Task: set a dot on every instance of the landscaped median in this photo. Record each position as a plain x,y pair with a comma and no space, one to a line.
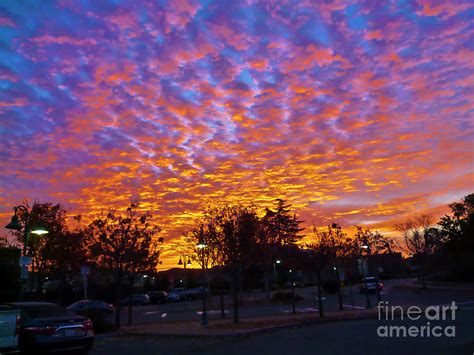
247,326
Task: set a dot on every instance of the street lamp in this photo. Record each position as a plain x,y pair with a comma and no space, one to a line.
27,229
365,246
201,246
275,272
185,260
292,291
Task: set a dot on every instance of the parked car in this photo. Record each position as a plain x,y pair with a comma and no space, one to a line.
9,327
370,284
46,327
138,299
196,293
85,307
176,294
158,297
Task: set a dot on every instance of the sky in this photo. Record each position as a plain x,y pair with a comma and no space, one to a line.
355,112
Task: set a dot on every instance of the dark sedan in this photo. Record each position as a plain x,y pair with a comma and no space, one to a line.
370,284
86,307
138,299
158,297
47,327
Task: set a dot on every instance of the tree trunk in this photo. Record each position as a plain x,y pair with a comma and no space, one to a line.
235,295
422,271
222,301
208,283
239,278
118,289
423,281
266,278
339,296
320,299
130,301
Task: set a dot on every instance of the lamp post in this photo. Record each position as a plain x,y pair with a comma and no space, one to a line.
185,260
275,272
27,229
201,247
292,292
365,246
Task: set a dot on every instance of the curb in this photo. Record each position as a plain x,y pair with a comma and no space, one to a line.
252,331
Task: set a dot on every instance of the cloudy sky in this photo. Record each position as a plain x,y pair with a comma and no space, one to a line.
355,112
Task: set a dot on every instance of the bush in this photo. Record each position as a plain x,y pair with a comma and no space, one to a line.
285,297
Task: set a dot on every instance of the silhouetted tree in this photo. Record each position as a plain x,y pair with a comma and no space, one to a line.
376,243
420,241
197,244
51,216
457,233
58,254
125,245
232,237
321,252
341,249
278,228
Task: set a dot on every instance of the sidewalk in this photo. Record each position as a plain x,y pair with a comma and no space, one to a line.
416,285
247,326
462,286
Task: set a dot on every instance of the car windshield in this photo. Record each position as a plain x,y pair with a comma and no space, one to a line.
45,310
370,279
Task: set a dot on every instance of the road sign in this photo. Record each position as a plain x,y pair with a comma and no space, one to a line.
363,267
24,272
25,261
85,270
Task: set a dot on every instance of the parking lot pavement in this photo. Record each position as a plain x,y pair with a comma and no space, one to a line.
352,336
253,305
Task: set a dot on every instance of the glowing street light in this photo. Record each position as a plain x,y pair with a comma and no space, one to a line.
201,245
27,229
185,260
275,272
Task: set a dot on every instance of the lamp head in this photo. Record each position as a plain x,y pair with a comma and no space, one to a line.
180,262
14,223
201,244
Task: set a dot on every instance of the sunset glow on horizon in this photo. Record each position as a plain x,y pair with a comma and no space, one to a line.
359,113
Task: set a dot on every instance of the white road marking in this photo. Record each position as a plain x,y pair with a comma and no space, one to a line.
151,312
350,306
212,312
300,310
163,315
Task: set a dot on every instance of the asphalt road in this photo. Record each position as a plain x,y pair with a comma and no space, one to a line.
353,337
254,305
344,337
